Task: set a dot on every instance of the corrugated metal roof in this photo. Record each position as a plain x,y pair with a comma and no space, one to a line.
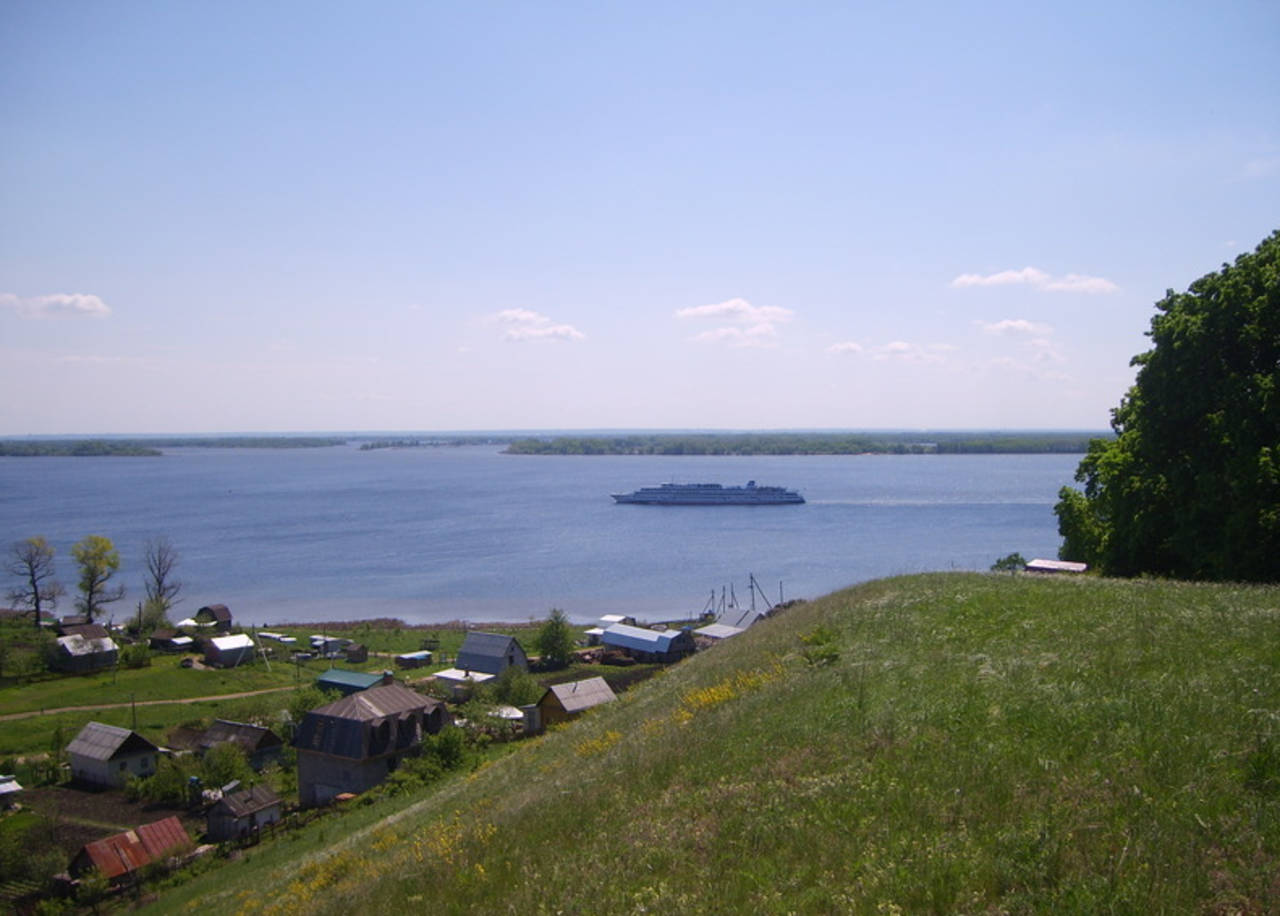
486,652
250,737
235,641
639,638
101,742
1040,565
579,695
341,728
128,851
165,837
718,631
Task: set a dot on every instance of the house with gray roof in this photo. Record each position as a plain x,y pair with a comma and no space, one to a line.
490,653
107,755
80,654
353,744
650,645
241,814
260,744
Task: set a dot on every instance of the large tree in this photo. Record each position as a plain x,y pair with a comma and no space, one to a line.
99,561
31,562
554,640
162,586
1190,486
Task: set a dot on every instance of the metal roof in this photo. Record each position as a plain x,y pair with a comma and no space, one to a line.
486,652
1039,565
579,695
628,637
103,742
249,801
341,728
218,612
235,641
125,852
341,677
248,736
718,631
78,645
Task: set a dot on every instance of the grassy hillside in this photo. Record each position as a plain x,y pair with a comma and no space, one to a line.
950,743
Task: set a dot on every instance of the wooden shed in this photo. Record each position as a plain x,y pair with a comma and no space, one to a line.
563,702
241,814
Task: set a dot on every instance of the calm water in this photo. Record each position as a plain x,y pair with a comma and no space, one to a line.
438,534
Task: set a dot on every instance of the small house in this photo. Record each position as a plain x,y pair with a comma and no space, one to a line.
353,744
490,653
594,633
121,854
107,755
170,641
650,645
329,646
241,814
563,702
349,682
414,659
717,631
261,745
228,651
77,654
66,625
357,653
217,616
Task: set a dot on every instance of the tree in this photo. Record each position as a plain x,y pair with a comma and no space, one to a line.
98,560
31,561
161,587
1190,486
1014,562
555,641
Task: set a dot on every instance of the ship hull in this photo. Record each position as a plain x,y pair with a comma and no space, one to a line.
672,494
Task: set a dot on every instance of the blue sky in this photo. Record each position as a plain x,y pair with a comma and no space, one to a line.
322,216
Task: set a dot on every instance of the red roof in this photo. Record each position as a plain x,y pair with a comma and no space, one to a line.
125,852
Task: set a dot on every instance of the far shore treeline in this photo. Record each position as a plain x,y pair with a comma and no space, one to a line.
773,443
914,443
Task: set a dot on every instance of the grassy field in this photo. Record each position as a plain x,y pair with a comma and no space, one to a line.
939,743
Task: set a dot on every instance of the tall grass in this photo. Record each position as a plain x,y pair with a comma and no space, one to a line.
964,743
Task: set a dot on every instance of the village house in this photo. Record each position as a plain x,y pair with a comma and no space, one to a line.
563,702
594,633
414,659
217,616
121,854
241,814
80,654
261,745
348,682
650,645
170,641
107,755
351,745
228,651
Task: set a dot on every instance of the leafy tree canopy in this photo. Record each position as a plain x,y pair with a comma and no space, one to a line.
555,640
1190,486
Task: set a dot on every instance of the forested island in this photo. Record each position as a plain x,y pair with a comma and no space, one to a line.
150,447
907,443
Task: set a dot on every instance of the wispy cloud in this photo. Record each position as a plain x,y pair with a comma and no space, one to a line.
56,305
1015,326
845,346
748,325
525,325
1038,279
902,351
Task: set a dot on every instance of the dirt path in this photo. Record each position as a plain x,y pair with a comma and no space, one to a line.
221,696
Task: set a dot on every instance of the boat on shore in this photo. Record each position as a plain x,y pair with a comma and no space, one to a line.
710,494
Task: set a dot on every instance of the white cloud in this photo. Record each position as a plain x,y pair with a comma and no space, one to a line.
750,325
1015,326
845,346
56,305
525,324
902,351
1034,277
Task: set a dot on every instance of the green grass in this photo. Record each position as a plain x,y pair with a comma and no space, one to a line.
972,744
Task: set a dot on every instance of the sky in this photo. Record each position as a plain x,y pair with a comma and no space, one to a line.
314,216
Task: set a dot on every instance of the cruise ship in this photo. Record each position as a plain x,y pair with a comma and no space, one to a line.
710,494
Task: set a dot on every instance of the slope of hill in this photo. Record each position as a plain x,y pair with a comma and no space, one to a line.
944,743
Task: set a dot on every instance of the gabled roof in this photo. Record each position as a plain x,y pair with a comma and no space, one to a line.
125,852
78,645
341,728
579,695
104,742
248,801
486,652
248,736
353,680
377,703
639,638
230,643
87,630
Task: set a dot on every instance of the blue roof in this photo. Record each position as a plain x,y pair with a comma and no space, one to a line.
639,638
346,680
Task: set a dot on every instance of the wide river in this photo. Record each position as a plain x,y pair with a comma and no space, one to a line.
438,534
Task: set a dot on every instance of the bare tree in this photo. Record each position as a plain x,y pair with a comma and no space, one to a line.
162,588
31,561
